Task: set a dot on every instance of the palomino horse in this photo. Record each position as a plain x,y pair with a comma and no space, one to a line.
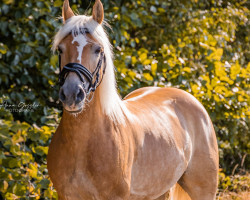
105,148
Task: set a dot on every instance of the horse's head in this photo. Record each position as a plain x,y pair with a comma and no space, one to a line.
82,58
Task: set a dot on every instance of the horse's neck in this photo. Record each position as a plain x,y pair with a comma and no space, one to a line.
90,121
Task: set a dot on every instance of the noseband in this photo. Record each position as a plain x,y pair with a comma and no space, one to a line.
80,70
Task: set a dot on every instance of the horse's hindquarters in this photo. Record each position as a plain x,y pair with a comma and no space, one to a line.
180,139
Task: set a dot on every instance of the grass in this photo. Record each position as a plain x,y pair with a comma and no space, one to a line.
235,187
234,196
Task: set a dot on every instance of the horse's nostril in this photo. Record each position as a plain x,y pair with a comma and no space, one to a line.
62,96
80,95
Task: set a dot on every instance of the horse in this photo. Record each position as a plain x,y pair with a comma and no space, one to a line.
153,141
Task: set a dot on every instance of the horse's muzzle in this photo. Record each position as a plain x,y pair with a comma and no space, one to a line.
72,98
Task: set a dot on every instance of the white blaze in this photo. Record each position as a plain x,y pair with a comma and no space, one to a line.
82,42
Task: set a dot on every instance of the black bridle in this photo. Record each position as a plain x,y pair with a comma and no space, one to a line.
80,70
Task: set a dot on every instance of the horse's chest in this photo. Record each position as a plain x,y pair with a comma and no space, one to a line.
86,171
67,171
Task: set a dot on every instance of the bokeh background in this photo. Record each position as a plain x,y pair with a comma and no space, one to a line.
201,46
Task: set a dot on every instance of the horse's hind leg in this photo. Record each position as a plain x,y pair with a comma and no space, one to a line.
201,179
177,193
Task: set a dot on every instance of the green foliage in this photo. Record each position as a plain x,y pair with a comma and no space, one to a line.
23,169
26,70
234,183
201,46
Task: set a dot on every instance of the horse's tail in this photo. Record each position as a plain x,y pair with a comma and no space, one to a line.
177,193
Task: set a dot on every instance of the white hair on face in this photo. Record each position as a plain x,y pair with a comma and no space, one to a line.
82,42
111,103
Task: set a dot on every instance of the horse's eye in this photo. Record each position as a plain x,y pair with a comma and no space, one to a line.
59,50
98,50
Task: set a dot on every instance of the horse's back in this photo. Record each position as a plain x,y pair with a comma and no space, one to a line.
178,103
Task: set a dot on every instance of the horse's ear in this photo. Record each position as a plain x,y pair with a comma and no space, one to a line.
98,13
66,11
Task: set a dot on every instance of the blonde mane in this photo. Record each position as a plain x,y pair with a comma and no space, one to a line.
111,103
